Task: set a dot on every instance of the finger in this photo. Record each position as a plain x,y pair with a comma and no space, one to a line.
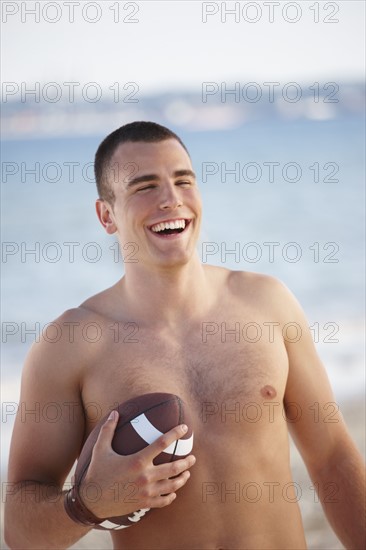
163,442
161,501
172,469
168,486
107,431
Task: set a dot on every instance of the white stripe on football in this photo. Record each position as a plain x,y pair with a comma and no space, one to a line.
149,433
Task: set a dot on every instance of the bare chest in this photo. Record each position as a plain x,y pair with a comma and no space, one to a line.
207,375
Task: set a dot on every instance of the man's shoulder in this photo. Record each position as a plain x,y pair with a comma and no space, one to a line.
254,279
73,317
265,291
66,336
92,309
250,281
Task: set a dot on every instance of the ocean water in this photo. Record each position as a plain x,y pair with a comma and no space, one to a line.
280,197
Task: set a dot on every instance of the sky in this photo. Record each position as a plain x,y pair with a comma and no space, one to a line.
175,46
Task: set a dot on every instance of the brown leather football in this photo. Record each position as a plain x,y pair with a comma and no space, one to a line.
141,421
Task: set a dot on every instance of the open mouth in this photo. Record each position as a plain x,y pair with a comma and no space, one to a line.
172,227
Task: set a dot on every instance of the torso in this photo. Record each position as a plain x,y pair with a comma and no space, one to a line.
240,494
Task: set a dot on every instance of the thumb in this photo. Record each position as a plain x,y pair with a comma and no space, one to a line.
107,430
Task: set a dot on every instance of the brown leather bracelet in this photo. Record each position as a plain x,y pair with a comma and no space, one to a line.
77,510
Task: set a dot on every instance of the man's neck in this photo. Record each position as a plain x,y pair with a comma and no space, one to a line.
166,296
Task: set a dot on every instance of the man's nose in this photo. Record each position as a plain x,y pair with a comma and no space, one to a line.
170,197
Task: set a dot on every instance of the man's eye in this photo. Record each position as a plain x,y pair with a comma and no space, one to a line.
146,187
183,182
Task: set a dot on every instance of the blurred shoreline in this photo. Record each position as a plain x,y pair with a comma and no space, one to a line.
214,108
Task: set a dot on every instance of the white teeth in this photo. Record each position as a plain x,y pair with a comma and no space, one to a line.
176,224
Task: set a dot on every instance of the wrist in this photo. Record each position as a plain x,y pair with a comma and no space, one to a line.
77,511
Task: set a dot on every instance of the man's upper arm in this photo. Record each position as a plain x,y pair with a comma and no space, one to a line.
49,425
313,417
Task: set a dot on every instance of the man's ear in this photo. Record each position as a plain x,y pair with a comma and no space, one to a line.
105,216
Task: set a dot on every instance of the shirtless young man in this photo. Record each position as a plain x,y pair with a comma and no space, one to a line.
238,494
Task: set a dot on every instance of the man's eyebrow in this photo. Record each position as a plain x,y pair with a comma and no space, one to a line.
154,177
140,179
180,173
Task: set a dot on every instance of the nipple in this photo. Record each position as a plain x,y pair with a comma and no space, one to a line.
268,392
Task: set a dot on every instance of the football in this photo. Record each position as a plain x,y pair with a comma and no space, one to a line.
141,421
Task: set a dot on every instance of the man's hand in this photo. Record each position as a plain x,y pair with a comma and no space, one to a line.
128,483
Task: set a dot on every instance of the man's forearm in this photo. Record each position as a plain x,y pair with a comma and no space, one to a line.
35,517
341,487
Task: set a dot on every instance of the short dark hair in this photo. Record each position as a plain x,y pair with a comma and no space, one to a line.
148,132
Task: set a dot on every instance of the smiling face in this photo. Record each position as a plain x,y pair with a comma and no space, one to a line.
157,203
